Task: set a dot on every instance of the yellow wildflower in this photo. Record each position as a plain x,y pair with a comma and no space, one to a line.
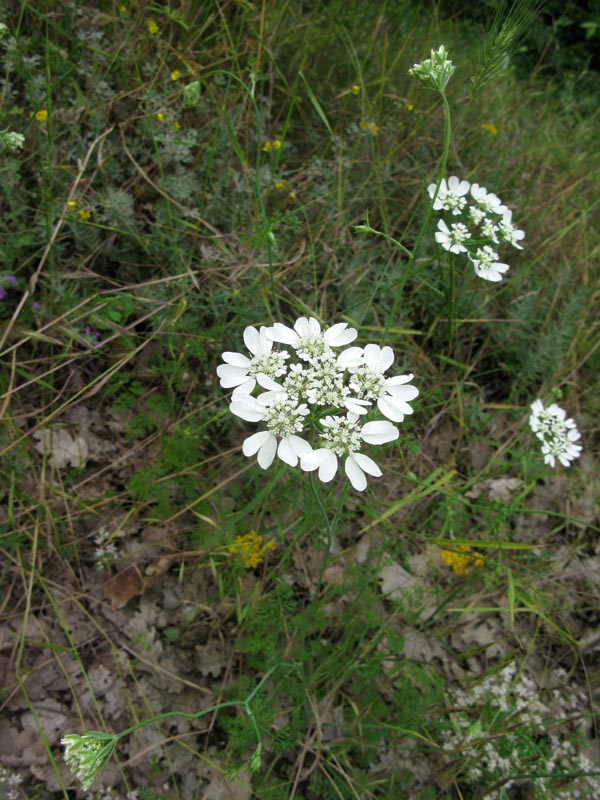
409,106
279,184
84,214
355,88
175,75
460,559
251,549
271,145
490,128
152,27
122,8
41,115
292,196
369,127
160,117
72,205
176,125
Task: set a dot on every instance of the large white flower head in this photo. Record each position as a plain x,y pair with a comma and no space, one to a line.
241,372
309,341
368,382
343,438
557,433
321,388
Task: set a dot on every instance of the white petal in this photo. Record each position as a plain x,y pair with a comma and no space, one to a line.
268,383
355,474
236,359
367,464
231,376
379,432
286,452
253,443
252,340
400,392
350,357
324,460
299,445
393,409
266,454
281,333
356,406
338,336
243,389
247,408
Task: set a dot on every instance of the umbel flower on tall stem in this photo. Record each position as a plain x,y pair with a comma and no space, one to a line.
315,397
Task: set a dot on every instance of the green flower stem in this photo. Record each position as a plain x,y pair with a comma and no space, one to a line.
244,704
330,525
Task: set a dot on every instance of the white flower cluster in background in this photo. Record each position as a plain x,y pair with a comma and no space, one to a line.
106,551
557,433
522,730
9,784
477,223
313,395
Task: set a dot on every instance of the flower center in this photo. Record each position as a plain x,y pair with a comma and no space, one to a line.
367,383
342,435
271,364
284,416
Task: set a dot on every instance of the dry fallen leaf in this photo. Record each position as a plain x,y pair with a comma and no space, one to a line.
123,587
63,448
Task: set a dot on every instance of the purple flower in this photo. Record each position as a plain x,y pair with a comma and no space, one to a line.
36,306
10,279
2,293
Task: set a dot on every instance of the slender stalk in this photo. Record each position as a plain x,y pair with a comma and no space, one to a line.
330,525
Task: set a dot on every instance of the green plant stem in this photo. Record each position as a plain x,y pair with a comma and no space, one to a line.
330,525
245,704
451,303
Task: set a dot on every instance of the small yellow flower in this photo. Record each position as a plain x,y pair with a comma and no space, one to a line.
279,185
490,128
72,205
292,196
251,549
152,27
271,145
355,88
175,75
176,125
40,116
461,559
84,214
409,106
160,117
276,144
369,127
122,8
266,147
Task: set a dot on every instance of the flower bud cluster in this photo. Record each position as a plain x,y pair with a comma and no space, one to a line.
86,755
436,71
477,224
557,433
318,389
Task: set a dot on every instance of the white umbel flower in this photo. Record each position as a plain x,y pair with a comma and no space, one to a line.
368,382
344,437
486,265
309,341
452,238
557,433
487,201
508,231
451,195
284,418
240,372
